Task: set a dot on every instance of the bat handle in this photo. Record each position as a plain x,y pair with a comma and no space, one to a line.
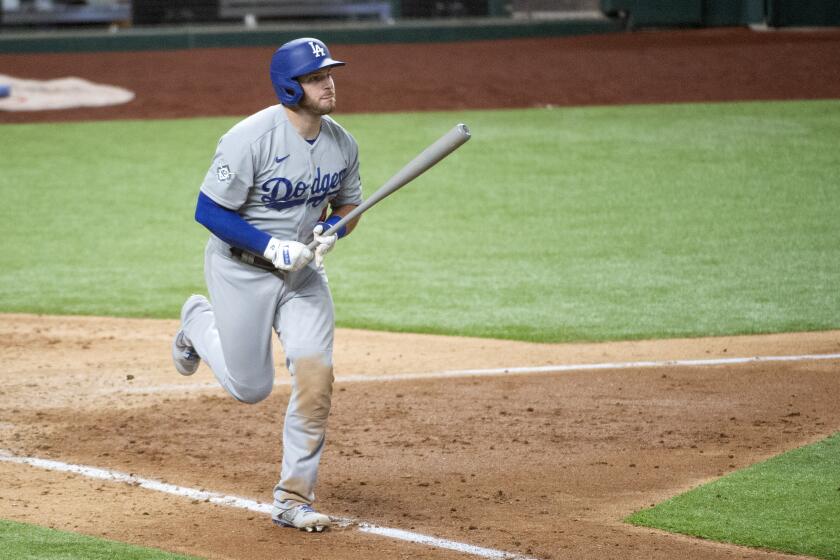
335,227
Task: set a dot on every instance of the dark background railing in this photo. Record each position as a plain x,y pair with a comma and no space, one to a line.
35,14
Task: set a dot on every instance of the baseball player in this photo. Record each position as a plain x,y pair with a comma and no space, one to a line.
265,197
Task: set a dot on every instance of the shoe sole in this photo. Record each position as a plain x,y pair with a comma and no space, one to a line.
307,528
176,352
192,301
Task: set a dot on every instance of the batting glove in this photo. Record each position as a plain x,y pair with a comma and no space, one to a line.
289,256
325,244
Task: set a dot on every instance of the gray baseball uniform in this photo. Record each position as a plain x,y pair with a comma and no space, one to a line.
280,183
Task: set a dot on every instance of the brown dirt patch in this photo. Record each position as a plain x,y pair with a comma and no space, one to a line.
643,67
544,464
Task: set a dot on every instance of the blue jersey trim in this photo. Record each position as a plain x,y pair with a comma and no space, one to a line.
229,226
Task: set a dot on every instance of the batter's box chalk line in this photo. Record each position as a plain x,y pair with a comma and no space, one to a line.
252,505
495,372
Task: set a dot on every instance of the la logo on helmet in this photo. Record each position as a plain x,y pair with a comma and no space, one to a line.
317,50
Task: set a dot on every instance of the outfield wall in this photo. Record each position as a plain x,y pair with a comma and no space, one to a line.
614,16
715,13
411,31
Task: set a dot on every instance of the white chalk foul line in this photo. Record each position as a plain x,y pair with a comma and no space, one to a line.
440,543
134,480
561,368
251,505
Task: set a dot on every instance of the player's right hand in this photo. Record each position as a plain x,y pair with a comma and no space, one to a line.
289,256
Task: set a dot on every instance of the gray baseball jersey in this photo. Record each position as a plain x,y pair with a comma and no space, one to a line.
281,184
276,180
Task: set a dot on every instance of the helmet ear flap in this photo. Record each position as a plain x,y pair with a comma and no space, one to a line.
288,91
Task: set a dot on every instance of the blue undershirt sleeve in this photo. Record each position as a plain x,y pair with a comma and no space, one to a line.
229,226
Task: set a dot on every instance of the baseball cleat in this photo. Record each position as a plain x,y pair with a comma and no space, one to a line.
301,517
184,356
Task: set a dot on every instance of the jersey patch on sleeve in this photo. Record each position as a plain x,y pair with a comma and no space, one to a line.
223,173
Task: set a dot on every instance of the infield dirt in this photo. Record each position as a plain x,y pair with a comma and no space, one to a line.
545,465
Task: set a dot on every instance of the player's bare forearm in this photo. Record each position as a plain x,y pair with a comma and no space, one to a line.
343,211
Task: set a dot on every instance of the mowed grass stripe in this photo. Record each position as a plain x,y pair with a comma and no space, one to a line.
549,225
23,541
789,503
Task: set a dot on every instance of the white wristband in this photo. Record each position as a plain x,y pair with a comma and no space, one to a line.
271,249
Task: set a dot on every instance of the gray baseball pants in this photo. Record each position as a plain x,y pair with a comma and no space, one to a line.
233,336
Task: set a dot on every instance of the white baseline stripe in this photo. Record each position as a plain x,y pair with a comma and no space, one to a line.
134,480
562,368
583,367
439,543
251,505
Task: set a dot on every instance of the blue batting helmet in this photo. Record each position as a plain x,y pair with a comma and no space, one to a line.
294,59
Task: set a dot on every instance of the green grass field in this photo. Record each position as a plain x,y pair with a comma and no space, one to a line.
789,503
20,541
549,225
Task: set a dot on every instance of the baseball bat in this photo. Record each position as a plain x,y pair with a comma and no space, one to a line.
428,158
